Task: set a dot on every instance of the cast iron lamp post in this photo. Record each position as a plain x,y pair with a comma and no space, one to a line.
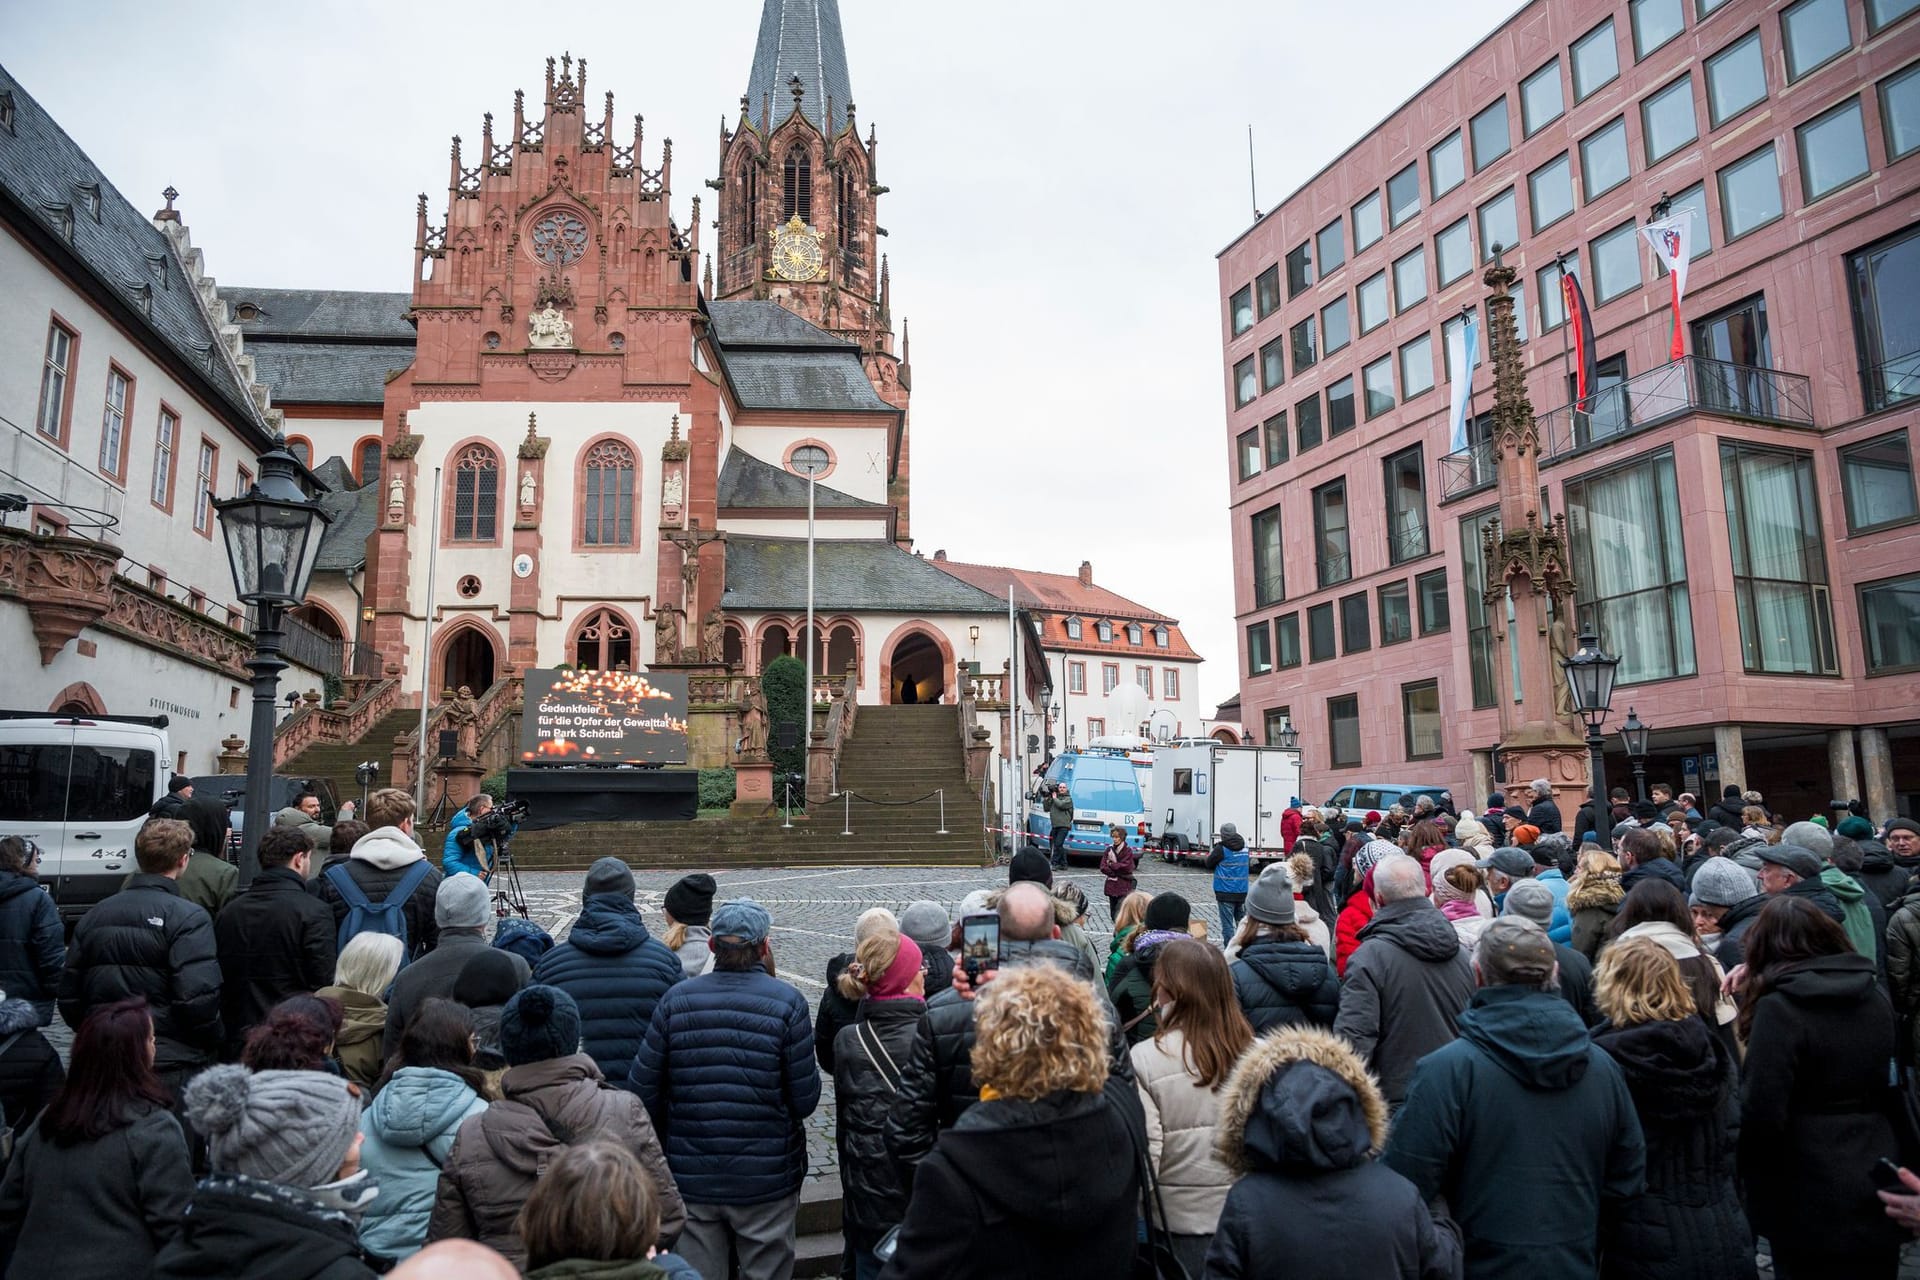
273,535
1590,672
1633,736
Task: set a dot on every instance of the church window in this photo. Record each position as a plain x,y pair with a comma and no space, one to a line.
368,466
603,642
798,191
559,239
607,506
749,203
476,494
845,210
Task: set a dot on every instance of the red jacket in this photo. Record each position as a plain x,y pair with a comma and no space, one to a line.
1289,829
1118,865
1353,918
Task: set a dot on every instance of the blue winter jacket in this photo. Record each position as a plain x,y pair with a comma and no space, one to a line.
727,1073
1228,862
456,859
33,947
615,971
1560,928
409,1129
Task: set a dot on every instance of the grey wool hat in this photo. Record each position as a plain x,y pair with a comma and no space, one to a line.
926,923
1721,882
1270,900
290,1127
463,902
608,875
1530,900
1810,835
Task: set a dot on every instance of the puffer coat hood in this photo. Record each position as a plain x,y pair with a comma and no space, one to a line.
1541,1043
1601,889
1285,982
419,1105
616,972
409,1131
1300,1100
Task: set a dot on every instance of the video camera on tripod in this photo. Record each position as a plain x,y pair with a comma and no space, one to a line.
497,824
491,836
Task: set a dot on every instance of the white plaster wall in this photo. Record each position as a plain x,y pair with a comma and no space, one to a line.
1093,704
334,437
860,454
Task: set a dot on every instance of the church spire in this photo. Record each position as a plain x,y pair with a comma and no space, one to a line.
800,38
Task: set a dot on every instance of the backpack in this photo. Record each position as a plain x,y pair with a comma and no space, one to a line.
364,915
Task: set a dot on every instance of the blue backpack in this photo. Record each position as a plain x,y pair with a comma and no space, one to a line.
364,915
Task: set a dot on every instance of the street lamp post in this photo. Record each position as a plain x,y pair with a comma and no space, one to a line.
809,460
1590,671
1633,736
272,533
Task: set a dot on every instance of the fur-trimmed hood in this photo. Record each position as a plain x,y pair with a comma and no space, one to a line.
1601,889
1300,1099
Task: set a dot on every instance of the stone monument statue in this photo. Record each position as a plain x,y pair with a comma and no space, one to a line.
713,636
753,724
396,495
526,491
666,634
548,328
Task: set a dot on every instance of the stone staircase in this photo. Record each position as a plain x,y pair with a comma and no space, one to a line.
337,761
889,769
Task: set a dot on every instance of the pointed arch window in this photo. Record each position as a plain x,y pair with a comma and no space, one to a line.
368,469
843,208
606,503
749,203
476,494
798,188
603,641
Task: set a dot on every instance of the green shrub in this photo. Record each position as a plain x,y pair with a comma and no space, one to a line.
785,684
495,785
334,690
716,788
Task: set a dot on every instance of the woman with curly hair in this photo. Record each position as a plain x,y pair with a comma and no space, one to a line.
1040,1177
1593,898
297,1034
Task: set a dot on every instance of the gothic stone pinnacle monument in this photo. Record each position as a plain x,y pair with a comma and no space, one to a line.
1527,569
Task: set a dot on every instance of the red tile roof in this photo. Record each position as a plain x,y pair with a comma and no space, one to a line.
1054,597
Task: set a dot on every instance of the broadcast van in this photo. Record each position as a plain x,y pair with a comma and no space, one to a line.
1106,793
1199,788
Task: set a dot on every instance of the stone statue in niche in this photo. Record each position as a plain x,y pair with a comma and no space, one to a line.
396,495
666,634
753,725
548,328
713,636
1560,644
526,491
673,491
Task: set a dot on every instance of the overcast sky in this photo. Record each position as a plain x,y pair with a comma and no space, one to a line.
1062,171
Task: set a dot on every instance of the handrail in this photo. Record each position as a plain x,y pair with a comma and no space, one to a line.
315,725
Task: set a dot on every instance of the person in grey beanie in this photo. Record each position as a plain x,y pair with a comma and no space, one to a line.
463,910
926,923
1533,900
286,1191
1725,901
1280,976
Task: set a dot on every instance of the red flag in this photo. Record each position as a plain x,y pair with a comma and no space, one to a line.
1582,340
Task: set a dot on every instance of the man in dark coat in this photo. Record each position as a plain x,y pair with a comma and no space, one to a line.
1408,982
170,805
463,914
1544,813
274,939
728,1075
148,941
1790,869
1520,1102
33,944
381,861
1642,857
612,967
1729,808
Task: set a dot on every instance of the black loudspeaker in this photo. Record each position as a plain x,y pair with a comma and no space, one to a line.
449,743
1033,742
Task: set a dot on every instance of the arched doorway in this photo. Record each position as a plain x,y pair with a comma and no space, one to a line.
469,661
603,641
733,646
842,649
917,670
775,642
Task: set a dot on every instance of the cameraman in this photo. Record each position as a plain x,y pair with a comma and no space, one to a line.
458,855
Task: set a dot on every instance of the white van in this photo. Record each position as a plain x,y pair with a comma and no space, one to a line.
79,787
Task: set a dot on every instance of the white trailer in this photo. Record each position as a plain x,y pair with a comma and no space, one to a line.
1197,789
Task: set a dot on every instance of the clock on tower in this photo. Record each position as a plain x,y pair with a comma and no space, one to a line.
797,253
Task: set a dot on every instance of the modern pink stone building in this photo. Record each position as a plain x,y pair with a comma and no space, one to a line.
1744,525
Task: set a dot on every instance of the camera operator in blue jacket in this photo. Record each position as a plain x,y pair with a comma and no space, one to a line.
459,855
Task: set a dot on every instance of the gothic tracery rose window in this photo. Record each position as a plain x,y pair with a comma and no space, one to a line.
559,239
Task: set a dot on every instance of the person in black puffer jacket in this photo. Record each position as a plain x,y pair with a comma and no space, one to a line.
30,1073
1687,1224
886,979
612,967
148,941
33,947
1279,977
1131,988
837,1011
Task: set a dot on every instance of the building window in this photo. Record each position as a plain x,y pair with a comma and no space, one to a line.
603,641
1396,614
1446,164
1073,628
1275,722
476,494
1890,624
1103,631
1373,302
1631,568
1109,677
1416,367
1603,159
1833,150
1499,225
1286,632
1736,79
1275,430
1403,195
1616,262
1541,102
1267,289
1269,580
1356,623
1877,475
1143,676
607,506
1883,13
1259,650
1409,279
1420,710
1553,304
1343,731
1779,568
1134,633
1431,588
1240,311
1667,121
1900,112
1813,33
1330,244
1076,677
302,450
1246,387
1306,424
1299,270
1491,137
1160,637
1247,447
1170,684
1884,283
56,375
797,194
1654,23
1750,193
1406,506
113,423
1448,328
1305,343
1377,380
1550,192
1340,406
1596,61
1366,223
208,463
165,436
1320,646
1453,252
1096,727
1273,365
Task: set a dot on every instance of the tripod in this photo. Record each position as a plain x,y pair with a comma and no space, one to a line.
503,878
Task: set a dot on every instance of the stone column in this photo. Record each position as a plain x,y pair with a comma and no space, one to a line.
1480,784
528,499
1730,745
1876,757
1840,764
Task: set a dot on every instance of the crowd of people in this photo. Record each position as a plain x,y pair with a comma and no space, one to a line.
1421,1044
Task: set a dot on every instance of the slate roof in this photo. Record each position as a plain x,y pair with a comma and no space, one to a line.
823,381
354,512
800,38
747,481
875,576
325,372
45,173
745,323
324,313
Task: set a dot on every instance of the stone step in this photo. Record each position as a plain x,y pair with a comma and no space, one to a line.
819,1206
818,1255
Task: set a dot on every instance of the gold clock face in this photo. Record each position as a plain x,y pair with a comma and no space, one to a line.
797,254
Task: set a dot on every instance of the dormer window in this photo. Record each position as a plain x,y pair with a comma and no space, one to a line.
89,196
246,311
1133,633
1160,637
61,216
1073,628
6,110
1104,630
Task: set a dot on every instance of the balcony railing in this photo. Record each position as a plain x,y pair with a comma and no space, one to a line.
1468,470
1334,569
310,648
1406,544
1892,383
1691,384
